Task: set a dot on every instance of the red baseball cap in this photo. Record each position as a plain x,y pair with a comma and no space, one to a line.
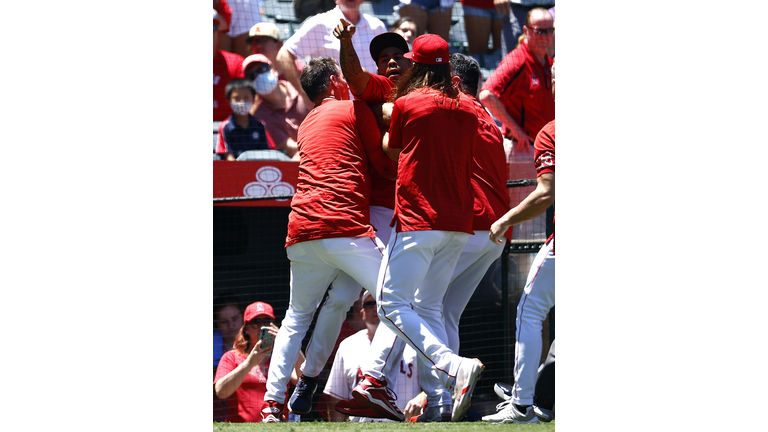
259,308
429,49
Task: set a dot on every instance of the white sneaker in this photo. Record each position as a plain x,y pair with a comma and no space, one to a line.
544,414
466,378
509,414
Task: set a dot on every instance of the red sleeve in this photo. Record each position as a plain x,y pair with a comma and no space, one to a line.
395,126
225,11
502,76
368,130
221,142
227,364
544,149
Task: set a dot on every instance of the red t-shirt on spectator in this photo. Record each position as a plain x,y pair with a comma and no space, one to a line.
225,11
338,144
245,403
378,91
489,173
226,67
524,87
436,135
544,158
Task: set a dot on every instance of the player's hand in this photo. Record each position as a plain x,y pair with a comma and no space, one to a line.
414,406
497,232
521,139
344,30
502,7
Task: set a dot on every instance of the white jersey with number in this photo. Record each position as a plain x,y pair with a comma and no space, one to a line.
344,373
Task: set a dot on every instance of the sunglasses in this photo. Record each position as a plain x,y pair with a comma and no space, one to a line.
539,31
258,71
259,322
368,304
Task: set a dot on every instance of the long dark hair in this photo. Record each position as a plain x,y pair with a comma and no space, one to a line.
242,341
437,77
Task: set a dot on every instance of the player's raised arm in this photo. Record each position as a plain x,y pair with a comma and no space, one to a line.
357,77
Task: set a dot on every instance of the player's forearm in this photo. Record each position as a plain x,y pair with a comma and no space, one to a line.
296,372
534,204
231,381
356,76
393,153
334,415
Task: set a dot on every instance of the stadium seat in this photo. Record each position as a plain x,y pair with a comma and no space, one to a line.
263,155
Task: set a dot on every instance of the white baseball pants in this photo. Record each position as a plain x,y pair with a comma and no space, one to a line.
475,259
345,291
538,298
420,261
314,265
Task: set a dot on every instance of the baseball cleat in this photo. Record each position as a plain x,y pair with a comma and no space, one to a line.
271,412
440,413
354,408
466,378
503,391
543,414
301,400
510,414
376,395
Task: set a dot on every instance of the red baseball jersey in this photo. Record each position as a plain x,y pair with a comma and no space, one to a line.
489,172
524,87
436,135
544,158
338,144
380,90
226,67
245,403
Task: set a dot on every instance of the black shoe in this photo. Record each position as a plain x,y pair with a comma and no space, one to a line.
301,400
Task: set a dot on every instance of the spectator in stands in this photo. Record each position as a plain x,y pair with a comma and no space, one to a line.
225,12
306,8
345,373
228,318
264,38
551,50
406,27
433,16
280,107
481,22
240,131
516,11
242,372
226,67
519,91
245,13
315,39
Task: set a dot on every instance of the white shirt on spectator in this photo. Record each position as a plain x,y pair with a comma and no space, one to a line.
315,38
343,376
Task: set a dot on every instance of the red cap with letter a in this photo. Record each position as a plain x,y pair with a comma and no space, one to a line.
259,308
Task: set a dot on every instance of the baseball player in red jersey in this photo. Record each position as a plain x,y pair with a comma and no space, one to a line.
382,201
328,227
539,293
432,133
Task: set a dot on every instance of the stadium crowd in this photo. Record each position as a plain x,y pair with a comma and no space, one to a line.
380,116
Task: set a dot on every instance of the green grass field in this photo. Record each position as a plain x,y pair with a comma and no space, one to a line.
379,427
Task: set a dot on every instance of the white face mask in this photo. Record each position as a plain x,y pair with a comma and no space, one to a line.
265,83
241,108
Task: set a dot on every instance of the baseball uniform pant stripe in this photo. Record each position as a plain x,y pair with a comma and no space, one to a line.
415,277
538,298
314,265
